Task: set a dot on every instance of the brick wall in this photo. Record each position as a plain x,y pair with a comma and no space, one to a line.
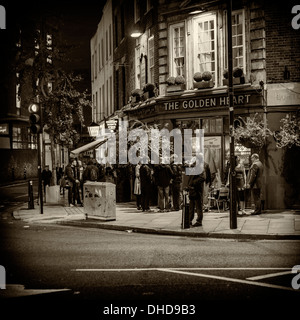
282,43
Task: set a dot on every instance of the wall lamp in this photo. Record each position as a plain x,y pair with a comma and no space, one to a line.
136,34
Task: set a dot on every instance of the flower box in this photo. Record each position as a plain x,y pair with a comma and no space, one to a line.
204,84
135,99
238,80
175,87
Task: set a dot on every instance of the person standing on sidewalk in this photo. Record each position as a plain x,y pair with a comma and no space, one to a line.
195,189
46,177
163,176
137,186
176,185
146,182
91,172
255,182
70,181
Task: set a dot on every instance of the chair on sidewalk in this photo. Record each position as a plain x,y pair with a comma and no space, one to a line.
223,197
213,198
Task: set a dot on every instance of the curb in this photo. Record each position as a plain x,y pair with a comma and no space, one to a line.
234,236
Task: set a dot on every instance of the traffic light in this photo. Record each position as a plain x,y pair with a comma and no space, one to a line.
35,118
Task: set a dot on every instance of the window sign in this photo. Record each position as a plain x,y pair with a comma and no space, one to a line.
4,129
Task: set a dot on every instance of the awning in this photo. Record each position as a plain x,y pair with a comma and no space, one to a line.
90,146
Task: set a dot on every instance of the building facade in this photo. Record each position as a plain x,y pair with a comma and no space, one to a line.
185,38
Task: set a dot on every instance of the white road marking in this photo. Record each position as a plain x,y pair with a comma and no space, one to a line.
18,290
187,271
260,284
156,269
269,275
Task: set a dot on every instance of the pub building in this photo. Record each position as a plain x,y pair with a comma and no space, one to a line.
187,40
208,110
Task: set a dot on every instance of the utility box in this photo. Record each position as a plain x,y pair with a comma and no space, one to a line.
100,200
52,194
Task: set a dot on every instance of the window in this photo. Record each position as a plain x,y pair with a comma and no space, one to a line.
92,68
23,139
110,45
106,45
116,31
137,10
238,40
102,53
122,22
151,59
110,93
96,69
99,56
178,50
137,67
149,5
238,37
205,45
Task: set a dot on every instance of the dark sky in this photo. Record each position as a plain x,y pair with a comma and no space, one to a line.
79,22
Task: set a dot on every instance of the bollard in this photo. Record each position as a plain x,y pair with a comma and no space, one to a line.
30,195
185,224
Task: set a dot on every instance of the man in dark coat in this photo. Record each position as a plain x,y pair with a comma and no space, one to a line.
163,176
176,185
255,182
146,182
195,189
46,177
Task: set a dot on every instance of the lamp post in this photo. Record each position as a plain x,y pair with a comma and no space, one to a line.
232,177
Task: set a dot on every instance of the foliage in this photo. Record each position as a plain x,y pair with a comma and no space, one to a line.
137,92
63,107
225,73
149,87
41,74
171,81
179,80
288,136
237,72
206,75
198,76
253,134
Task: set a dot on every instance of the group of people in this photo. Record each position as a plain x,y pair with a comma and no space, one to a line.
169,181
253,181
76,174
168,178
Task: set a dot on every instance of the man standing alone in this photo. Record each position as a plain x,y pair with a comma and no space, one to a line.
255,182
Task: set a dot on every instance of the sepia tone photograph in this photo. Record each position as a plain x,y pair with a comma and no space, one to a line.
150,156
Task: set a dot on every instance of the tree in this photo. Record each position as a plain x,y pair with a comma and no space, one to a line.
39,64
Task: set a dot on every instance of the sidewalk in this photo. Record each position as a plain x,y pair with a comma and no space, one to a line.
269,225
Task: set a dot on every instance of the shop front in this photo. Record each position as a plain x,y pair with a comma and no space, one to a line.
207,110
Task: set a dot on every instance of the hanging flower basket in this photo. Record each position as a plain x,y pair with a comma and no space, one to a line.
253,134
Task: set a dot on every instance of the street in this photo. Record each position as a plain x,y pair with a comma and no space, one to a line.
15,194
109,267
